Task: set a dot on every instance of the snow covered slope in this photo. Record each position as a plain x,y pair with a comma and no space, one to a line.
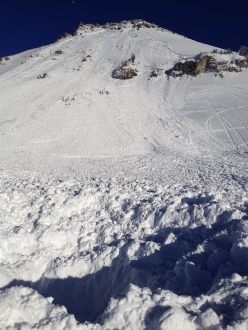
123,202
80,111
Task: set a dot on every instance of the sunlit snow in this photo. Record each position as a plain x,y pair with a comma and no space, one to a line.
123,203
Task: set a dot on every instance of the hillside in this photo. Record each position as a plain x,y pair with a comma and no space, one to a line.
80,111
123,194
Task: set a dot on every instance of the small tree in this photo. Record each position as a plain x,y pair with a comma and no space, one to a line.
243,51
132,58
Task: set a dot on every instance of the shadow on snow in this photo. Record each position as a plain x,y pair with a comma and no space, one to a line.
174,267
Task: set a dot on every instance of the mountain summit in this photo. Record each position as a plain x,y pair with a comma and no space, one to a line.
78,109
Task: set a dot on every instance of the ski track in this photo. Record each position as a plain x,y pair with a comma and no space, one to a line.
219,114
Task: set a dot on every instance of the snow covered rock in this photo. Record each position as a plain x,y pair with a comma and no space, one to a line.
209,63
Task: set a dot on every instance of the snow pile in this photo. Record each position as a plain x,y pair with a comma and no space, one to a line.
136,308
85,242
24,308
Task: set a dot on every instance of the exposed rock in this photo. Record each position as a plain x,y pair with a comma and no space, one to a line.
126,70
138,23
123,73
86,58
59,52
241,63
207,63
63,36
201,65
42,76
182,68
157,72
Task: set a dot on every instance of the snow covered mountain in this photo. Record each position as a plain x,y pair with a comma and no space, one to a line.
123,194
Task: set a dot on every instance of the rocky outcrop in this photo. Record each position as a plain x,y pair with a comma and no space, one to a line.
86,58
43,76
182,68
127,70
58,52
207,63
238,65
124,73
63,36
201,65
137,23
157,72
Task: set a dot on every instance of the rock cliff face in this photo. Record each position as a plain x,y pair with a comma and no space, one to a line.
208,63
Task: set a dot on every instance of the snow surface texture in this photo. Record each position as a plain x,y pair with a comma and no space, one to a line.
123,202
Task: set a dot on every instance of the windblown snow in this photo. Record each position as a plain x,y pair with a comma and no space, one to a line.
123,202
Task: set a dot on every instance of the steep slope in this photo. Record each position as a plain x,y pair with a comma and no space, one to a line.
79,110
123,202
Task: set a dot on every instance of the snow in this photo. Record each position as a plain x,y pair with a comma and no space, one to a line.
123,203
220,106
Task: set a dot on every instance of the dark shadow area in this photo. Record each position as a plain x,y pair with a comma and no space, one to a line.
153,315
197,200
226,307
174,267
88,297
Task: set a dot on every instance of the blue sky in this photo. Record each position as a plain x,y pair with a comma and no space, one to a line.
27,24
